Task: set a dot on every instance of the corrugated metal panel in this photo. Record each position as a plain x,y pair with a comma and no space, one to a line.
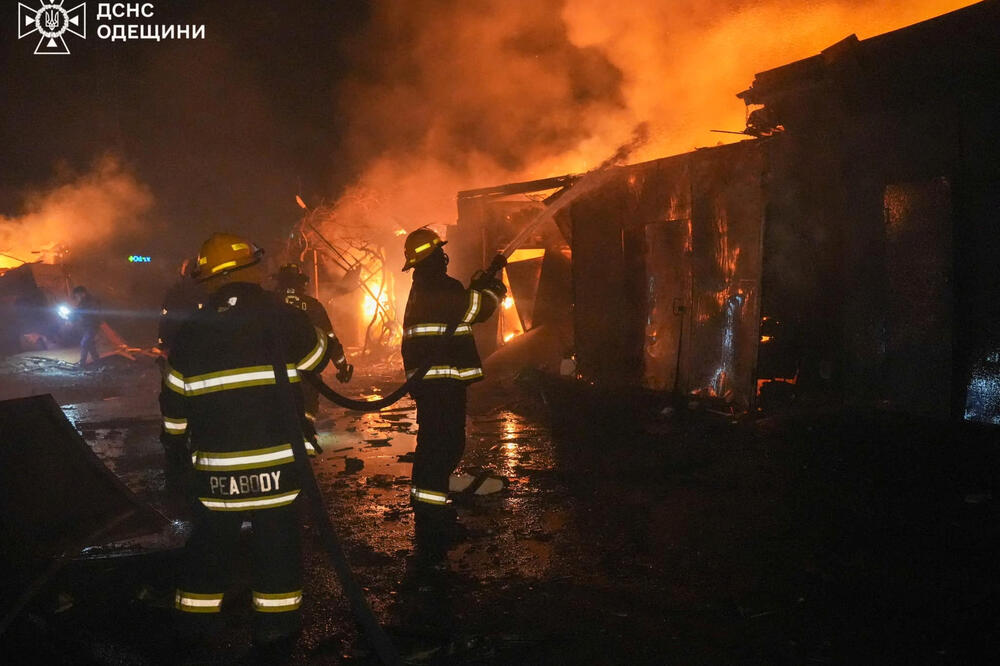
54,494
608,308
668,283
673,245
727,227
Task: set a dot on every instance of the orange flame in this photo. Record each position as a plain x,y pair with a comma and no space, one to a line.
551,88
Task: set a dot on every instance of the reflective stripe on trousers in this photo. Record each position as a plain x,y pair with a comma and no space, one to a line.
190,602
175,426
428,496
276,603
449,372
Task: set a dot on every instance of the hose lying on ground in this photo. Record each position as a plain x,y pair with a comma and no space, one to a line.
381,403
364,405
290,424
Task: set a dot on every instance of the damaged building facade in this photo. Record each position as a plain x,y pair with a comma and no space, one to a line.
847,254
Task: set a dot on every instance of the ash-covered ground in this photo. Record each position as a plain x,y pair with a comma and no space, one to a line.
693,538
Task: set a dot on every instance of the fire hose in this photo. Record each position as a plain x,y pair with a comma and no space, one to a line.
375,405
289,422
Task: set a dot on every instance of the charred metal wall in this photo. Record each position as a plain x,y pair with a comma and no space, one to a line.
608,298
883,201
666,275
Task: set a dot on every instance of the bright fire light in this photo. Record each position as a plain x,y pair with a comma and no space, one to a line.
510,319
370,305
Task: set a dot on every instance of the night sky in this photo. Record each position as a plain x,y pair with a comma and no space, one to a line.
224,130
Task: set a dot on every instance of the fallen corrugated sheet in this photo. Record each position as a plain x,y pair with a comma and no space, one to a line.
55,496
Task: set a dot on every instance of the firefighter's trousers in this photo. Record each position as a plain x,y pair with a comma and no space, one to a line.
276,579
440,439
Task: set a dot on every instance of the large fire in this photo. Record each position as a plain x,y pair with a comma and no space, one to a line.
517,90
505,91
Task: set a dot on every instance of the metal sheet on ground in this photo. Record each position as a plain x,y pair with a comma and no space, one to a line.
54,492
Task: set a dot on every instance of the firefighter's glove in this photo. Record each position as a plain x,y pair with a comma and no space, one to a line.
309,430
487,282
498,288
344,373
176,452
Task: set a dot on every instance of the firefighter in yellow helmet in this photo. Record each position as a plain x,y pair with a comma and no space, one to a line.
436,301
220,396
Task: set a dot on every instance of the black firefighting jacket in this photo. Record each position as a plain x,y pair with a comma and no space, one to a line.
182,300
319,318
436,301
219,390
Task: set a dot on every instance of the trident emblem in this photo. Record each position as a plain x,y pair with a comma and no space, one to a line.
51,21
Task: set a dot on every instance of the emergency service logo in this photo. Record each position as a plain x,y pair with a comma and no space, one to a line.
51,21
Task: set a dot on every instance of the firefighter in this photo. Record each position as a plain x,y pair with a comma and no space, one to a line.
220,393
183,298
291,286
87,314
435,302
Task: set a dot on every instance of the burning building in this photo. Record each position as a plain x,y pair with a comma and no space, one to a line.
845,254
351,275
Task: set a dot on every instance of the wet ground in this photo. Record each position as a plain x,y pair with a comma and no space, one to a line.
689,538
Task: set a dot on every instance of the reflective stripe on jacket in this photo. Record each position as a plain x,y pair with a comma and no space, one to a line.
435,302
219,389
320,319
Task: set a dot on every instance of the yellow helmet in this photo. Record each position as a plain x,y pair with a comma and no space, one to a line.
419,245
222,254
290,275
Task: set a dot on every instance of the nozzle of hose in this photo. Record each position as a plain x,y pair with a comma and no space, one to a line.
496,265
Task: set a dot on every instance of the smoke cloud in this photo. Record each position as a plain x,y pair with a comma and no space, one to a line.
453,95
77,215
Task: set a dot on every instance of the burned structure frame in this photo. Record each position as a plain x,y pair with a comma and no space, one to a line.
846,255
